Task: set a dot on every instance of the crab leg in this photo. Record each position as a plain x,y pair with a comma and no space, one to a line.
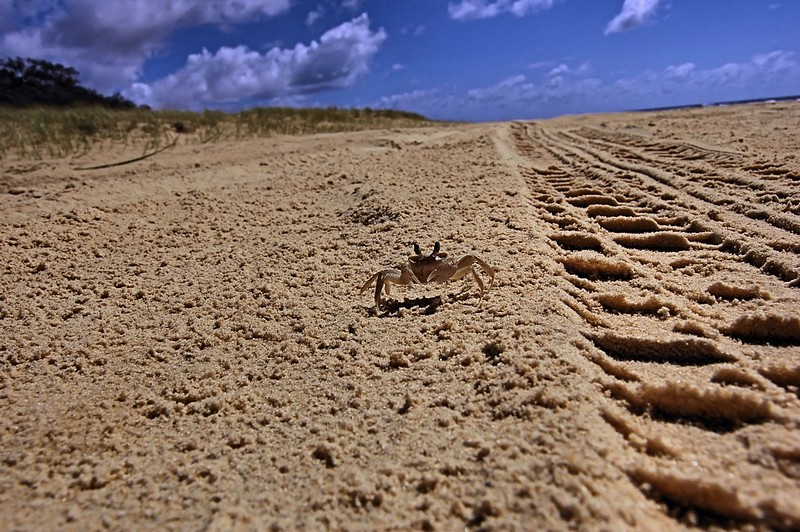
369,282
385,278
485,267
461,273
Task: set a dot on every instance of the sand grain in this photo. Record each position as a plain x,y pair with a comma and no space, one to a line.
184,346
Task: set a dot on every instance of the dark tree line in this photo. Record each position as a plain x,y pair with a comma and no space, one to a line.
25,82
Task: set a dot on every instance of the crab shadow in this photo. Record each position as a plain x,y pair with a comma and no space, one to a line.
428,305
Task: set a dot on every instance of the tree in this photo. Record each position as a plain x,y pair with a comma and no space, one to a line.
28,81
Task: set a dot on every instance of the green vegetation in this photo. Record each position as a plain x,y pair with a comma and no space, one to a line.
45,113
25,82
49,132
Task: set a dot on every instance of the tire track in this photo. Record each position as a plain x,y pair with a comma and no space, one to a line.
721,180
674,282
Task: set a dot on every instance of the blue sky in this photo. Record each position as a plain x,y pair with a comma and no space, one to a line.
456,59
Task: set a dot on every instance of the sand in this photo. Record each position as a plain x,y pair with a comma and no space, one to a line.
183,343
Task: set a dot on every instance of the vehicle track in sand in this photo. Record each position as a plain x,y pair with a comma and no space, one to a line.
671,254
183,343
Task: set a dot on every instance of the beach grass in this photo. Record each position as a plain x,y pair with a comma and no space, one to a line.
50,132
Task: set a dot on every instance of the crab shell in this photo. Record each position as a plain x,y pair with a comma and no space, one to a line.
432,268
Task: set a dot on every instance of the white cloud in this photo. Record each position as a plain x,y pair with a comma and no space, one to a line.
634,13
775,62
556,75
524,7
560,70
556,86
680,72
108,42
761,69
478,9
567,88
340,57
407,100
767,74
417,30
315,15
509,90
540,64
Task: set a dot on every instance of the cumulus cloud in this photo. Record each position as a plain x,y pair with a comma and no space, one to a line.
634,13
555,76
775,62
340,57
509,86
759,70
679,73
556,89
108,42
517,96
406,100
773,73
513,97
315,15
478,9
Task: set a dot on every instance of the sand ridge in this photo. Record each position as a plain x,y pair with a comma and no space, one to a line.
184,345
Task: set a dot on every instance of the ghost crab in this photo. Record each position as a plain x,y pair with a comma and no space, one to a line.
423,269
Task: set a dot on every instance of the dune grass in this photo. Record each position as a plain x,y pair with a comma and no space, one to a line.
45,132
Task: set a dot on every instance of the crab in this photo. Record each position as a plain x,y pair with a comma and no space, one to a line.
432,268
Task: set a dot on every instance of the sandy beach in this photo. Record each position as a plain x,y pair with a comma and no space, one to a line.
183,343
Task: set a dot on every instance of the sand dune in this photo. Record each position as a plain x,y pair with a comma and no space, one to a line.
184,345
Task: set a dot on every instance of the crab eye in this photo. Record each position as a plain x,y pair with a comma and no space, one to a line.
436,247
416,249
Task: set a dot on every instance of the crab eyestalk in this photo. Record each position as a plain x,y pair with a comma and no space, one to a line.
436,248
417,251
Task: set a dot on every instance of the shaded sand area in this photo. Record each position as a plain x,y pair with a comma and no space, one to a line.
183,344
